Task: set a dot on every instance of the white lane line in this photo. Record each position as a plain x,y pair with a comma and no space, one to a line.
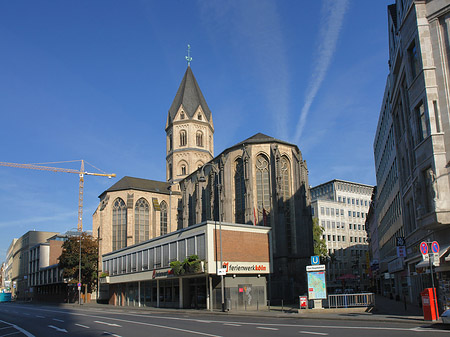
57,329
38,316
200,321
83,326
265,328
231,324
25,332
106,323
314,333
6,327
58,320
111,334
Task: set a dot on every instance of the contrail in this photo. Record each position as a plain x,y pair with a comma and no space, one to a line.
333,12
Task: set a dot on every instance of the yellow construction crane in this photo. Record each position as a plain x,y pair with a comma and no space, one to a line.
80,172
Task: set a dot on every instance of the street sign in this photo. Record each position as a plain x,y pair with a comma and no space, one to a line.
424,248
79,284
315,259
436,260
221,271
316,267
435,247
425,257
401,251
400,241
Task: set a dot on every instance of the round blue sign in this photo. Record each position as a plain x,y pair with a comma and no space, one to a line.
435,247
424,248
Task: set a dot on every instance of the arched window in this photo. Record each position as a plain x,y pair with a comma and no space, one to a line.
119,224
263,187
183,169
163,218
199,117
170,142
199,139
182,116
239,191
141,221
286,191
170,171
183,138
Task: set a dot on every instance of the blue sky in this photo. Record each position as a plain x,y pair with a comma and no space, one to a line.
94,80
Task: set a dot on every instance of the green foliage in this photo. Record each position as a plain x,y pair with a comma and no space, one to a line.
190,265
70,259
320,246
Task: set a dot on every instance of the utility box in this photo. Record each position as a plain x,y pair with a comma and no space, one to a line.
429,304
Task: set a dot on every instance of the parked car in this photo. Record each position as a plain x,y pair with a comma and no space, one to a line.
349,291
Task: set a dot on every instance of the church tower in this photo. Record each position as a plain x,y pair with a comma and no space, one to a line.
189,131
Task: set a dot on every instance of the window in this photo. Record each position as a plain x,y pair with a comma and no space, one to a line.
339,199
323,223
332,211
354,214
183,138
357,214
357,202
328,224
119,224
170,171
328,211
239,188
334,237
351,239
359,227
322,210
423,130
353,201
199,139
286,191
342,212
141,221
170,142
365,203
349,213
362,215
182,115
183,169
329,237
333,224
413,55
343,238
263,187
163,218
343,200
339,238
199,117
337,211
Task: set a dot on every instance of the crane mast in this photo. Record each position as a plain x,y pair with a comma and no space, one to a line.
81,173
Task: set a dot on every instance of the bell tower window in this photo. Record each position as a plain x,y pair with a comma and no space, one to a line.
183,138
199,139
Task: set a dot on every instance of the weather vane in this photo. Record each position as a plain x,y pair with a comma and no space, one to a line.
188,57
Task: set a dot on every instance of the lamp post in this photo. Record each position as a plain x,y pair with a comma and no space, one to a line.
202,178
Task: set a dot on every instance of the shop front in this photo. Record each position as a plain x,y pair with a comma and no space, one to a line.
180,269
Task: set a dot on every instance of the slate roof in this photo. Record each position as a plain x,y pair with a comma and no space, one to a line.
261,138
190,95
131,183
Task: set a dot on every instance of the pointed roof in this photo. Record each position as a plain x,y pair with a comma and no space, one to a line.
262,138
190,95
146,185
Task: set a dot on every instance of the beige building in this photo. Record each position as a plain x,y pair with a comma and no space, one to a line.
261,181
341,208
418,147
20,262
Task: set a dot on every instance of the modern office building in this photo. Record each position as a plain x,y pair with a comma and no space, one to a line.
341,209
413,142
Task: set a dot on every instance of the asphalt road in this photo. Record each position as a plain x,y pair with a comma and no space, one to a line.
35,320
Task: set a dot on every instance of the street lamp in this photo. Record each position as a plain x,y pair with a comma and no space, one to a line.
202,178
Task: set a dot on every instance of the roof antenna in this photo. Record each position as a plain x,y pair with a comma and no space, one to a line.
188,57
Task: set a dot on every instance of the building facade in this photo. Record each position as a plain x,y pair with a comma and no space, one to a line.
418,103
341,208
260,181
144,274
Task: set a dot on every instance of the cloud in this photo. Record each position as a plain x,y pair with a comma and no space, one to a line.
333,12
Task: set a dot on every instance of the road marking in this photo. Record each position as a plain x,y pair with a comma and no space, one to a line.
314,333
265,328
58,320
231,324
106,323
38,316
26,333
57,329
83,326
200,321
111,334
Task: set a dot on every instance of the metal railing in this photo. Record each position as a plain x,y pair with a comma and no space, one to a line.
351,300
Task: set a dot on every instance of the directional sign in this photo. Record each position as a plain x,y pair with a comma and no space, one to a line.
315,259
435,247
424,248
400,241
315,267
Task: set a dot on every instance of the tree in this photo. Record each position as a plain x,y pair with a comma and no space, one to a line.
320,246
69,260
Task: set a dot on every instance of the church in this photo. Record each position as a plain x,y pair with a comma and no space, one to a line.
259,182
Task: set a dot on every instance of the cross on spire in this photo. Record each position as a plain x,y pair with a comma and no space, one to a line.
188,57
